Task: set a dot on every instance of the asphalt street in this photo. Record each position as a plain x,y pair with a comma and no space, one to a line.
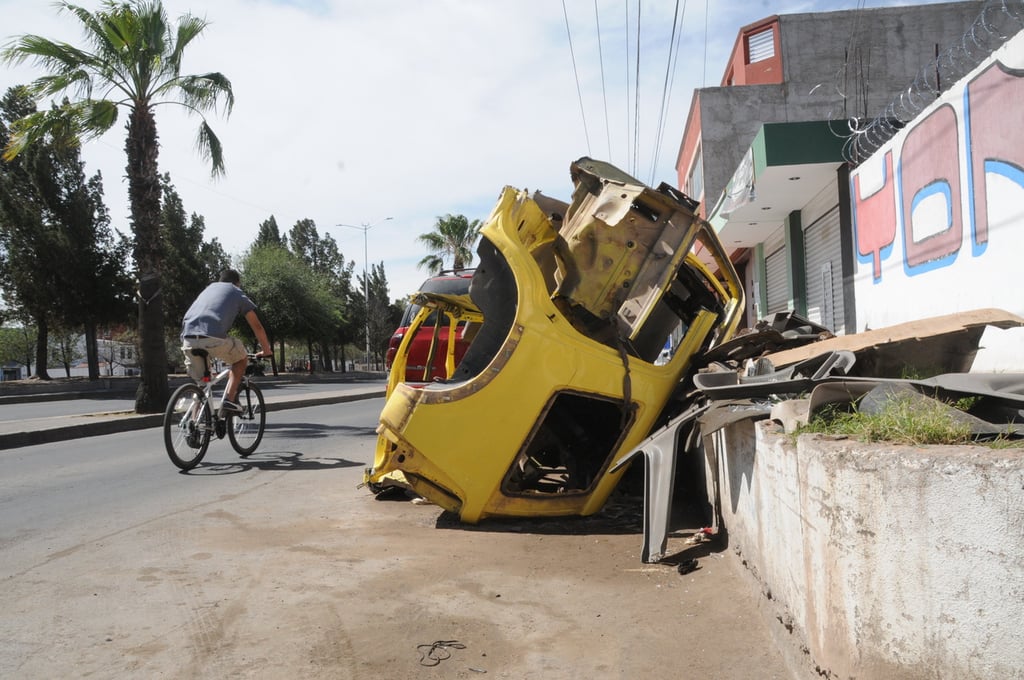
63,411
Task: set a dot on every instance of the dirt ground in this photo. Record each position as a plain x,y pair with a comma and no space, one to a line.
306,576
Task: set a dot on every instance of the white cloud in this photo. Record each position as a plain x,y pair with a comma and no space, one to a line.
353,111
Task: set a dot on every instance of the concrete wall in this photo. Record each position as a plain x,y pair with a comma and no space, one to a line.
867,55
939,209
885,561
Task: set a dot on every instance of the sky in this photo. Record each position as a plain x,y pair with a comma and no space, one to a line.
350,112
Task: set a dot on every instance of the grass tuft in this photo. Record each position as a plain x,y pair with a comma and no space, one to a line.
901,421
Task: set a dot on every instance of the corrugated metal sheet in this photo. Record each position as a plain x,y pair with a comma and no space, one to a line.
824,267
777,285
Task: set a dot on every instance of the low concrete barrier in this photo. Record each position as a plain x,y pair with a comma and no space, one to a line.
883,561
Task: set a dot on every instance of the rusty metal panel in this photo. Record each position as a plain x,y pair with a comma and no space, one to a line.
621,244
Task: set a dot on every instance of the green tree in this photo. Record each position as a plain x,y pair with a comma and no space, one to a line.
294,300
62,264
321,254
17,345
269,234
384,315
64,348
190,262
453,237
97,288
28,269
133,57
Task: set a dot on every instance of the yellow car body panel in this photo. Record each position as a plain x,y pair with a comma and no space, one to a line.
531,424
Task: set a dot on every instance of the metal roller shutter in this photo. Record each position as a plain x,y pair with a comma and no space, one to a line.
824,267
777,285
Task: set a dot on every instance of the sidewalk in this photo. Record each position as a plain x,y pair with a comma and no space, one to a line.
33,431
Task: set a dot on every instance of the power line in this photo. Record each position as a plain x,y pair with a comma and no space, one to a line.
604,91
666,88
704,73
629,137
579,92
636,96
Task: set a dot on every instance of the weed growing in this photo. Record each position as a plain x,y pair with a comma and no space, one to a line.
900,421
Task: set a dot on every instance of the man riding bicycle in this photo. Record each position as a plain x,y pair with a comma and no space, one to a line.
206,325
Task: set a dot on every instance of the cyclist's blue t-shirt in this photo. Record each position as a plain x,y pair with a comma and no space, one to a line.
215,310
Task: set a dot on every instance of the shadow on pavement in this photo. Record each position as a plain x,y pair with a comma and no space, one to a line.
621,515
270,461
315,430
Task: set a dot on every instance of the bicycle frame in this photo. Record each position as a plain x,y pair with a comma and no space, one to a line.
191,419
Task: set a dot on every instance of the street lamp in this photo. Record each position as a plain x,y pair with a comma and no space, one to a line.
366,281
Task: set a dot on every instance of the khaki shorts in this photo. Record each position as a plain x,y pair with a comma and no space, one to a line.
228,350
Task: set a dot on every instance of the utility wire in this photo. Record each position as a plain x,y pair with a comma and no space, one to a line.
579,92
704,74
604,90
629,136
636,96
665,91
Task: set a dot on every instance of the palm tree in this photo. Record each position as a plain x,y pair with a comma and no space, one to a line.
453,236
133,60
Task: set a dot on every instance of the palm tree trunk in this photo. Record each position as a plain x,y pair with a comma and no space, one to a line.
42,342
91,352
144,195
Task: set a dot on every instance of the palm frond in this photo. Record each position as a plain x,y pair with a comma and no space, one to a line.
65,126
432,263
432,240
203,92
189,28
209,148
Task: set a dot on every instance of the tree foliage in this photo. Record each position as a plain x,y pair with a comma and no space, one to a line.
190,262
18,345
321,254
294,300
454,236
60,262
132,60
384,315
269,234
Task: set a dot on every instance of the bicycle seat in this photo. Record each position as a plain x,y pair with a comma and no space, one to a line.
200,353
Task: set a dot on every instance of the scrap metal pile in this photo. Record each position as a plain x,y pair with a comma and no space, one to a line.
578,301
605,329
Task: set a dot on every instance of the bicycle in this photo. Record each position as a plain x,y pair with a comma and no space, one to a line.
190,420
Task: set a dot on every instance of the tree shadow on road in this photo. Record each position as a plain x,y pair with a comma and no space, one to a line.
316,430
271,461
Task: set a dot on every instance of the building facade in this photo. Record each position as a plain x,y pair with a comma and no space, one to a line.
938,210
767,152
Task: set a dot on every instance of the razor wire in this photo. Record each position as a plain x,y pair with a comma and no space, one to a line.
998,21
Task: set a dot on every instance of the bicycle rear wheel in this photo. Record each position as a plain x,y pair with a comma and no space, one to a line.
187,426
245,429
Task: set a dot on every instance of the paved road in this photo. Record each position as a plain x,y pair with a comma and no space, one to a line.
29,422
116,565
107,401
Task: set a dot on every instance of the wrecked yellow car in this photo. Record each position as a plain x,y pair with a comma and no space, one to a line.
578,302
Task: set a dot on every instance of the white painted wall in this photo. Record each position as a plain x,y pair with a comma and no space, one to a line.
890,561
889,290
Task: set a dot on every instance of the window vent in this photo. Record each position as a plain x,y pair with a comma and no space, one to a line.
761,45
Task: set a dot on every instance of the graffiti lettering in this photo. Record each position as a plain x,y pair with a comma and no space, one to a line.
926,192
988,98
929,167
875,219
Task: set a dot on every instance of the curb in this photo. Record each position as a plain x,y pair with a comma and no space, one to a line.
127,421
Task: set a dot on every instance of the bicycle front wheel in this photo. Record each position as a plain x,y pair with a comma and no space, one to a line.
187,426
245,429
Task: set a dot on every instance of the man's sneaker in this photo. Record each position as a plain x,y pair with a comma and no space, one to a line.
231,406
